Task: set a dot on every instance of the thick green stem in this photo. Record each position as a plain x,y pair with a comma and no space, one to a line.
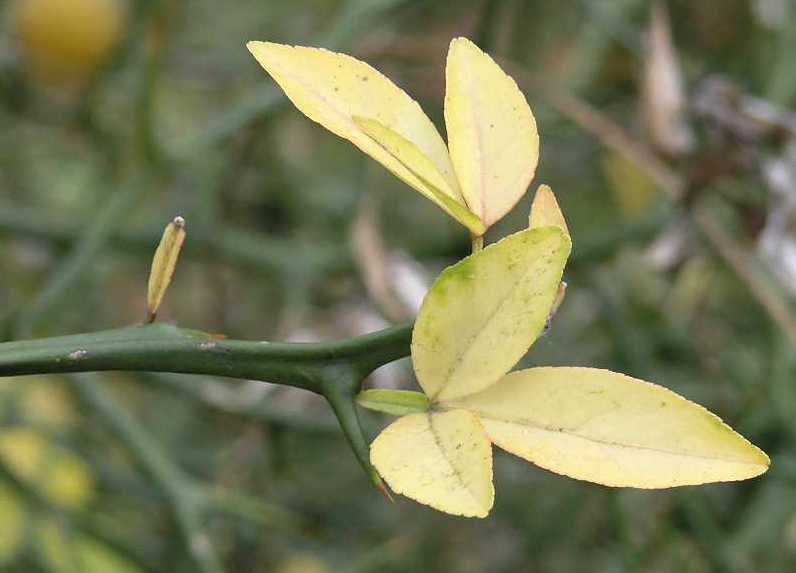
166,348
334,369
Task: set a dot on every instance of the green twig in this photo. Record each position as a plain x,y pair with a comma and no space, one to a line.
334,370
167,348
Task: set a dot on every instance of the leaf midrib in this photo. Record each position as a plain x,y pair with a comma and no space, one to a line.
554,430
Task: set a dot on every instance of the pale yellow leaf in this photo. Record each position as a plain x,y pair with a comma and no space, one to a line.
439,459
545,211
483,313
492,133
408,154
608,428
331,89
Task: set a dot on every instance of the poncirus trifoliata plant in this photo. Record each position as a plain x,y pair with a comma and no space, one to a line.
483,313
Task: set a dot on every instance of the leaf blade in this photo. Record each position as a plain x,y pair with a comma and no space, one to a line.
483,313
332,88
492,135
433,184
443,460
545,211
611,429
393,402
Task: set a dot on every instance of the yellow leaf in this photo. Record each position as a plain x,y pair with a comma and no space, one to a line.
439,459
483,313
421,166
611,429
545,211
332,89
492,133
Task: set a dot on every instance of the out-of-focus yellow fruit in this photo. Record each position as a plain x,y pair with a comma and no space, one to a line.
64,42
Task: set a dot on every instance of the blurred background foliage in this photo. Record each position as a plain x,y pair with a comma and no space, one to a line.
672,152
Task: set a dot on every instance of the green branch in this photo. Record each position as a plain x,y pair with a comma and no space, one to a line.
334,370
167,348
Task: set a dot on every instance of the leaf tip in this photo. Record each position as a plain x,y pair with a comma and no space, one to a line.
545,211
254,46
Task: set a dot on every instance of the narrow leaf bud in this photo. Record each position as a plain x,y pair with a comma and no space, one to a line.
163,264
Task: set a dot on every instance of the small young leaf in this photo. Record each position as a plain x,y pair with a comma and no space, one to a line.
483,313
545,211
611,429
492,133
331,89
434,186
393,402
439,459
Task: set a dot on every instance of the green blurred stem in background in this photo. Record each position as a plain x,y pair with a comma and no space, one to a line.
334,370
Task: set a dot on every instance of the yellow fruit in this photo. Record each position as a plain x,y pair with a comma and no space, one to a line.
64,42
